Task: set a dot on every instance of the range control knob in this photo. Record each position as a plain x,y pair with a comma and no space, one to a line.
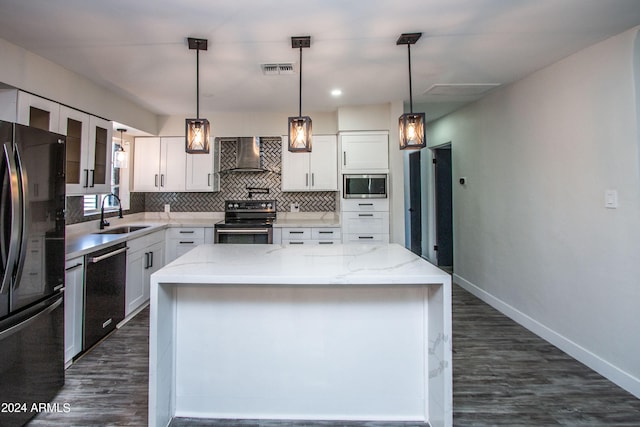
263,205
230,205
235,206
268,205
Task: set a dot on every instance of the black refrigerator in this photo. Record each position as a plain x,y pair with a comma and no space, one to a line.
32,164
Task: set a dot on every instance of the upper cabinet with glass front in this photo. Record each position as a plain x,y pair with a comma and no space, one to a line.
89,144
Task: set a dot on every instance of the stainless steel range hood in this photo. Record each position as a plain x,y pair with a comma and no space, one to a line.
248,158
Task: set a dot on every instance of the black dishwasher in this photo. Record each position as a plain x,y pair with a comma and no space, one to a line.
104,292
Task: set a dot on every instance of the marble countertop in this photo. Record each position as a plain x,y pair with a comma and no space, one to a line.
301,265
82,238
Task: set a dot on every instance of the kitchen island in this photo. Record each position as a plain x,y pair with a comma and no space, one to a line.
335,332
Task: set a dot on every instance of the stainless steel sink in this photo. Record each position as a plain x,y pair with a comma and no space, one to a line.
124,229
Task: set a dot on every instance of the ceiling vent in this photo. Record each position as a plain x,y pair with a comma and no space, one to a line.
276,69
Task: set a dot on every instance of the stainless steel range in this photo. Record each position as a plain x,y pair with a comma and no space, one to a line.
247,221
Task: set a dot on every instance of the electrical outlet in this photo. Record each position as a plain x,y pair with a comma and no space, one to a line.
295,207
167,207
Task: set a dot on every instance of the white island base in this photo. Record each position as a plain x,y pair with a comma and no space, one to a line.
312,333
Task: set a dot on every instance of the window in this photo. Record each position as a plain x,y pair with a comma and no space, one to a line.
93,202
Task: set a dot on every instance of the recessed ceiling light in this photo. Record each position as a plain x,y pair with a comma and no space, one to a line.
336,92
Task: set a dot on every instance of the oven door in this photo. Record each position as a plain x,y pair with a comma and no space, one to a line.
256,235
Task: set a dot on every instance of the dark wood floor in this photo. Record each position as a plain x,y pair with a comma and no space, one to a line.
503,375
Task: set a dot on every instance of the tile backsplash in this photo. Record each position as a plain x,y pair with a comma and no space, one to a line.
233,185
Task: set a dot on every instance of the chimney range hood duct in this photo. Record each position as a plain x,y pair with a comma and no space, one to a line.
248,157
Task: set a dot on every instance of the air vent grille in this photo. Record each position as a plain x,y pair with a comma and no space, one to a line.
275,69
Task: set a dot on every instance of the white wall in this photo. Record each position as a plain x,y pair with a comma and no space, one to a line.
32,73
531,233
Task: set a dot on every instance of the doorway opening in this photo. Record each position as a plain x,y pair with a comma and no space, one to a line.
415,202
443,209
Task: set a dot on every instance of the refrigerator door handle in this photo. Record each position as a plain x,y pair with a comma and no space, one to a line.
25,323
12,253
24,232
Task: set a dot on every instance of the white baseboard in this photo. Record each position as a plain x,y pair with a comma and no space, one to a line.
593,361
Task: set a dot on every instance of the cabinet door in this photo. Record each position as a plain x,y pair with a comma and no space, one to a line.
75,125
73,291
38,112
365,152
146,164
295,169
173,162
156,262
200,172
136,268
99,155
323,165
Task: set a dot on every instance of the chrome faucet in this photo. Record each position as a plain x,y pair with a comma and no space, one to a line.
103,222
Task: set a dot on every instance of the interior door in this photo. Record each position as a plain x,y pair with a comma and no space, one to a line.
444,206
415,199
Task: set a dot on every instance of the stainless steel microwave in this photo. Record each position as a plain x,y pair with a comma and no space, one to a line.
364,186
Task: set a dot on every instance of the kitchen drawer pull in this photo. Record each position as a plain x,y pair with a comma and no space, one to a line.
296,243
296,232
187,232
344,158
365,237
187,242
306,179
162,180
107,323
365,214
151,256
325,243
208,180
325,232
146,260
365,204
156,180
93,178
86,178
73,267
96,259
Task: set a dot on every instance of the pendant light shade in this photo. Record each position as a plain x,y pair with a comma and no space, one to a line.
411,128
411,125
121,157
197,130
300,129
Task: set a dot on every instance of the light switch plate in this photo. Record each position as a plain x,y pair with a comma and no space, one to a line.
611,199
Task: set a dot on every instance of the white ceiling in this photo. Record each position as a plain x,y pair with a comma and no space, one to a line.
138,48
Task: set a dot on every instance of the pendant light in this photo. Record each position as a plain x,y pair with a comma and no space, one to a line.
300,127
121,157
411,125
197,130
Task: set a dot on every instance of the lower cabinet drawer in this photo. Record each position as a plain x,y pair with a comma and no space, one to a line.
328,233
296,233
365,238
365,223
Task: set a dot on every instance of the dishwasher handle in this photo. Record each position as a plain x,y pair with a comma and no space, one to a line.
96,259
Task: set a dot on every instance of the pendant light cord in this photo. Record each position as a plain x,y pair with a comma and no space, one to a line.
300,87
198,83
410,90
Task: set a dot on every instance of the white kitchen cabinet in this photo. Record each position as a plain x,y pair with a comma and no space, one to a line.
89,144
364,152
73,306
159,164
181,240
202,169
314,171
37,112
365,221
145,256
